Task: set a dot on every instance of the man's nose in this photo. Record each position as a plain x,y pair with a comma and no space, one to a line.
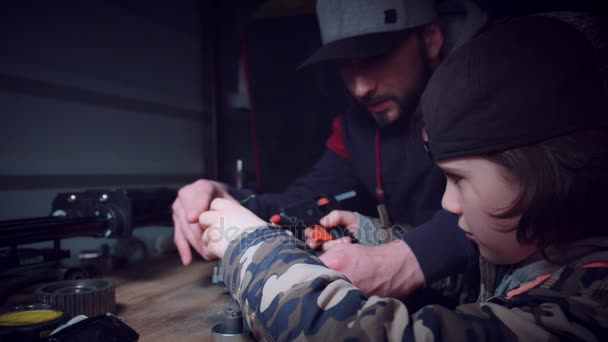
362,86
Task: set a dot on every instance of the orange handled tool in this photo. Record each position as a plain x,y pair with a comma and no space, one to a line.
298,216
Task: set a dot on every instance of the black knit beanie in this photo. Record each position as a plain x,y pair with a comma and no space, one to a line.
524,81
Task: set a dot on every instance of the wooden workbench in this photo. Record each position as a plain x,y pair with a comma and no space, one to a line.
165,301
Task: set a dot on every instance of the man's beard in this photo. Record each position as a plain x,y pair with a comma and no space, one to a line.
408,105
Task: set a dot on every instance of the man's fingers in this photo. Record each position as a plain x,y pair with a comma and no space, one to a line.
308,233
313,244
332,261
192,215
194,209
339,217
333,243
331,219
193,233
180,242
193,201
187,235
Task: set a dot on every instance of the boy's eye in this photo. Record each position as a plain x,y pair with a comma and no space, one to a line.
453,178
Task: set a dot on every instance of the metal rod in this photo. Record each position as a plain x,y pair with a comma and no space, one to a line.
15,232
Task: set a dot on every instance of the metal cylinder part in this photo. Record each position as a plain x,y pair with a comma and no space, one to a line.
233,321
231,328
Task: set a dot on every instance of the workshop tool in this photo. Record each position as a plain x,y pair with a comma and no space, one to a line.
307,213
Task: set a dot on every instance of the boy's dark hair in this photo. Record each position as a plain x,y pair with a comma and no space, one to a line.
564,187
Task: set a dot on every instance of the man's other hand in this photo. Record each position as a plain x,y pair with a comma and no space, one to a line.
388,270
191,201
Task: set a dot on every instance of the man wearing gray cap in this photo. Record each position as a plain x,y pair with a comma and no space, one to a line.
385,52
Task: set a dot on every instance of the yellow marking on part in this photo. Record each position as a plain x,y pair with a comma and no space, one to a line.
27,317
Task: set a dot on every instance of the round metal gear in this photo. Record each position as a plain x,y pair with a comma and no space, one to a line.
90,297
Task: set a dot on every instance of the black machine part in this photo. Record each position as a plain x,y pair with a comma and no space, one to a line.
124,209
102,328
98,213
306,212
24,231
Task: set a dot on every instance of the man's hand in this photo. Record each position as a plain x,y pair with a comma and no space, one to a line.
388,270
224,221
347,219
191,201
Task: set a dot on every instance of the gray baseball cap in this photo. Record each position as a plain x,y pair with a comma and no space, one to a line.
365,28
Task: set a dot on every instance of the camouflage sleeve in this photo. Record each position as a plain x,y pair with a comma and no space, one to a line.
286,293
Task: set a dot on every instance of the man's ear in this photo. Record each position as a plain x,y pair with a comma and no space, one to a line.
433,42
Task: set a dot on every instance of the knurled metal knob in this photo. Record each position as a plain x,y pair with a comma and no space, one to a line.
90,297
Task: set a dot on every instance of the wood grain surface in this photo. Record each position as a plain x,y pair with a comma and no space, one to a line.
165,301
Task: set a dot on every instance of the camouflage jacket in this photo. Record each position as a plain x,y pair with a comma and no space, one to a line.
288,294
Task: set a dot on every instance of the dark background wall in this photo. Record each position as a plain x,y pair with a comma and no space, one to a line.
105,94
292,109
97,94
